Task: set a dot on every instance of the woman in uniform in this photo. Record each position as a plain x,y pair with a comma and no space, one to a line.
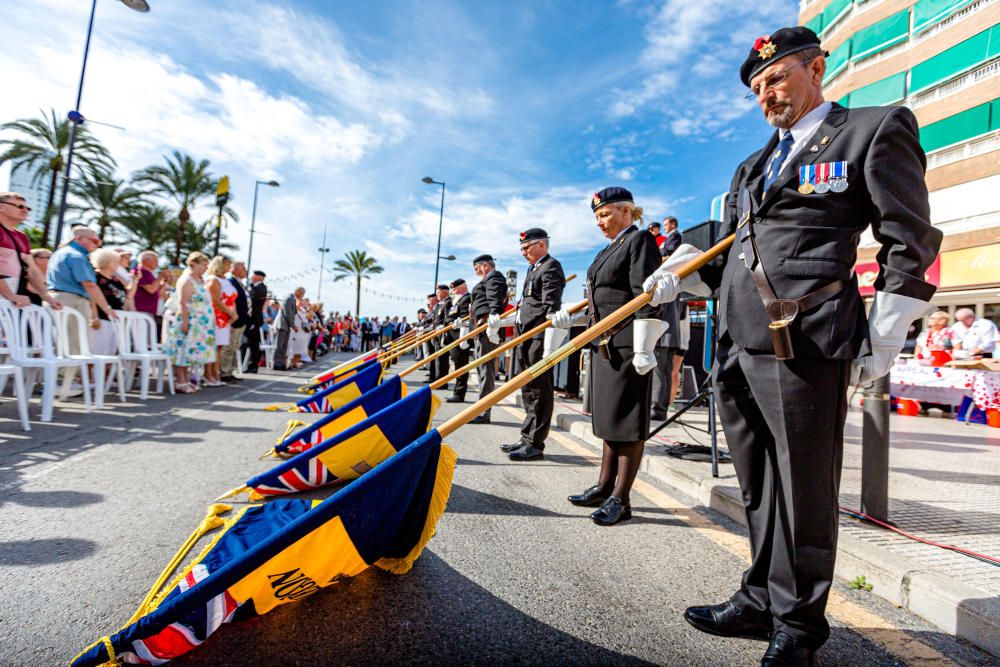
619,374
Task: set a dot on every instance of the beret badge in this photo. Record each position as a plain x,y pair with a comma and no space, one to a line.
524,235
764,47
597,200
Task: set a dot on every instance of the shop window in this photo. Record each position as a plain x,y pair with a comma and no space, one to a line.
991,311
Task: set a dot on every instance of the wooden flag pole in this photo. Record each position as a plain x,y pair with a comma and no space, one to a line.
455,343
346,364
415,344
606,324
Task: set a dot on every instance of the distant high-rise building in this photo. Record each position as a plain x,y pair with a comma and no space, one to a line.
940,58
35,191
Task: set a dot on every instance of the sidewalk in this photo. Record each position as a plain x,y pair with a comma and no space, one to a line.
944,486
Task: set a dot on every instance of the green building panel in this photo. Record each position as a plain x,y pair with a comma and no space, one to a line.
837,61
928,13
834,11
881,93
958,128
957,60
882,35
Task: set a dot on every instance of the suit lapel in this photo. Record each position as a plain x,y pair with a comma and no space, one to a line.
828,129
611,249
756,176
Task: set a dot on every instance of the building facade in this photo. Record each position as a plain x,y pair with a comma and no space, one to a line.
35,191
940,58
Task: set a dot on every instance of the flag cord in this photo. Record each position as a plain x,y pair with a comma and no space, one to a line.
292,425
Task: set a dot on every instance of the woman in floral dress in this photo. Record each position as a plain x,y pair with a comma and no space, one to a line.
190,335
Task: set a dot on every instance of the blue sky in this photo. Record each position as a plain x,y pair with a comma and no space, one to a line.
523,109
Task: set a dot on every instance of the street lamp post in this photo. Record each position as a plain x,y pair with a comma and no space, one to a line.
76,118
437,262
322,256
253,216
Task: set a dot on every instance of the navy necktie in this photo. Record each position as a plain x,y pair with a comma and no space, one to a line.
778,159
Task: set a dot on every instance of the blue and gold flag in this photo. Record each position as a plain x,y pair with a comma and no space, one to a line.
338,394
296,439
285,550
330,377
351,453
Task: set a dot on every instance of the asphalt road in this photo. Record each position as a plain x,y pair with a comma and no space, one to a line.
91,512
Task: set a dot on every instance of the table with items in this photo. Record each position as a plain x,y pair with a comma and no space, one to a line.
945,385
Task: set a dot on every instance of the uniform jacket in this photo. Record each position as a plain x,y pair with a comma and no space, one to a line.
258,296
489,296
806,241
542,292
242,303
459,308
440,312
616,275
670,243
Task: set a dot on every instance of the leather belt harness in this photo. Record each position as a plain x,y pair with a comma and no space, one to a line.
782,312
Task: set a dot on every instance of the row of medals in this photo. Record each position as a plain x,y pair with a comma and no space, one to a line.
833,184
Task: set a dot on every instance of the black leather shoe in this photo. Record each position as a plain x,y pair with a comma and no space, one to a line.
455,399
658,416
527,453
512,446
611,512
443,388
481,419
250,370
725,620
784,652
280,367
592,497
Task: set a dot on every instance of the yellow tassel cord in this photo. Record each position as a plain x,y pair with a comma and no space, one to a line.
232,493
292,425
281,406
439,501
309,390
210,522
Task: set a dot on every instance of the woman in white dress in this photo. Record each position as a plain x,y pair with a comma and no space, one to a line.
299,344
223,295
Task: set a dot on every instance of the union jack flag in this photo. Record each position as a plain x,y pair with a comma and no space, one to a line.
181,636
309,474
305,442
321,405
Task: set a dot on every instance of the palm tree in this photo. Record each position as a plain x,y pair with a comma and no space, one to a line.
359,265
201,238
104,199
183,180
43,144
148,226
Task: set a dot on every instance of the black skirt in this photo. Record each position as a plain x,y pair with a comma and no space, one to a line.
621,397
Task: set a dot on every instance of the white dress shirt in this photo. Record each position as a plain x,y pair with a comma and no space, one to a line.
804,129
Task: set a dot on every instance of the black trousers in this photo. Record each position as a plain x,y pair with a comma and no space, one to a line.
487,371
537,395
784,423
662,376
459,358
442,361
252,343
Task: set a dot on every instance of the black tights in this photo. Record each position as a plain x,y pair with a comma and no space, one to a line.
619,466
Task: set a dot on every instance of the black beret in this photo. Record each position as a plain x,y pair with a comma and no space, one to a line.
653,224
610,196
456,282
443,286
260,273
533,234
482,258
432,296
771,48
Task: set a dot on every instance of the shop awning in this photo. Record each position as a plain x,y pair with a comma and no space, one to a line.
957,60
880,36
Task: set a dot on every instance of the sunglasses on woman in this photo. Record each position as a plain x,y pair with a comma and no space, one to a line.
23,207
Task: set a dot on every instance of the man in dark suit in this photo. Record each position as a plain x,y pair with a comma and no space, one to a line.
671,237
541,297
232,353
285,325
440,319
458,317
798,208
489,299
258,297
427,324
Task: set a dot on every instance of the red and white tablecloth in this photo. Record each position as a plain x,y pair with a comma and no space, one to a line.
940,384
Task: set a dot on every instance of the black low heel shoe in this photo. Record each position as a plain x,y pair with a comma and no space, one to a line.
592,497
611,512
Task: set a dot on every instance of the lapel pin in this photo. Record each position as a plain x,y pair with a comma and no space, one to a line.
814,149
825,140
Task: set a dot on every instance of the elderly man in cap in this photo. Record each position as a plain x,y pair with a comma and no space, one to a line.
17,266
459,317
440,319
73,281
541,297
489,299
793,329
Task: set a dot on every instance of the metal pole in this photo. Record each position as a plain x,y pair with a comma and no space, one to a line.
322,256
253,219
437,260
72,133
875,450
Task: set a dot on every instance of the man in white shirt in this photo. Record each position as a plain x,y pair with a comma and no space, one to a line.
977,336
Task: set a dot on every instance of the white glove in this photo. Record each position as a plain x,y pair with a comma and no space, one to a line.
493,335
457,324
517,318
493,321
553,339
562,319
464,331
888,322
665,292
645,334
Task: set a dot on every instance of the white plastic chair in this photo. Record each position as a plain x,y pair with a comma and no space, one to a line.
106,366
138,348
15,373
268,345
38,321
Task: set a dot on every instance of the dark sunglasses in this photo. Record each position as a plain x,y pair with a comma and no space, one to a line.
24,207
